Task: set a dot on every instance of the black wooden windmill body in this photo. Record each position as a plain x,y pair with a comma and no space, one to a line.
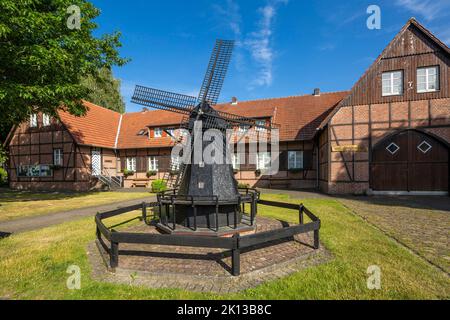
205,196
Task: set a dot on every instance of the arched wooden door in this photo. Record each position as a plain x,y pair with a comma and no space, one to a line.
410,161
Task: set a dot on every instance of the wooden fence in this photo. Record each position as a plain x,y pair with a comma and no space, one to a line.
234,244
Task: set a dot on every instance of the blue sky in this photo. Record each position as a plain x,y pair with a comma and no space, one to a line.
284,47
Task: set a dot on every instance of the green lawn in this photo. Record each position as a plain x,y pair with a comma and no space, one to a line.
33,265
17,204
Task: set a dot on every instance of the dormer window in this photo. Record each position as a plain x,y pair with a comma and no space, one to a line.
33,120
158,132
260,125
427,79
243,128
392,83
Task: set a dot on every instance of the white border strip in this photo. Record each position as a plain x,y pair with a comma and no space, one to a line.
118,131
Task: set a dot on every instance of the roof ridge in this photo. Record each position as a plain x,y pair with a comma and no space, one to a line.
287,97
96,105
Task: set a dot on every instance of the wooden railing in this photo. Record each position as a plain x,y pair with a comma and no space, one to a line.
234,244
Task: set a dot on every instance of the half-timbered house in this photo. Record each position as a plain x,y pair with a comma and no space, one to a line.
390,133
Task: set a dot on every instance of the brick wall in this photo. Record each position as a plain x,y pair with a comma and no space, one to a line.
365,126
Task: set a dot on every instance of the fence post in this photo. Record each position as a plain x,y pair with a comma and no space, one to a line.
236,257
316,239
144,212
97,232
301,214
114,255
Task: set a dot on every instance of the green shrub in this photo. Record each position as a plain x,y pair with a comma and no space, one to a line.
243,185
3,176
127,172
151,173
159,186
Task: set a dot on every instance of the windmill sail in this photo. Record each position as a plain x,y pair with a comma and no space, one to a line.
164,100
216,72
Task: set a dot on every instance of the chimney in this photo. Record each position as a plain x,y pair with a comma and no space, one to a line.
317,92
234,101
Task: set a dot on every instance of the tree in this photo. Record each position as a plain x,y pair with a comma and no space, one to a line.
44,56
105,90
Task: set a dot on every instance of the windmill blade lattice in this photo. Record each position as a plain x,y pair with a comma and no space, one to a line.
216,72
164,100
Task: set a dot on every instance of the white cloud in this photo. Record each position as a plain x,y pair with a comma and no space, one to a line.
428,9
230,16
260,43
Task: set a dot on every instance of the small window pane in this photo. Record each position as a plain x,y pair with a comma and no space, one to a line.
392,83
158,132
46,119
427,79
295,160
58,157
33,120
422,87
153,164
131,164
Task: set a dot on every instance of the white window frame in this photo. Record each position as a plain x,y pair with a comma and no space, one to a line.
427,79
263,161
298,160
243,128
391,80
153,163
45,120
260,123
40,170
131,164
236,161
157,132
58,157
33,120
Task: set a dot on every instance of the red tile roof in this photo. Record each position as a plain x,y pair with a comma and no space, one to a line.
97,128
297,117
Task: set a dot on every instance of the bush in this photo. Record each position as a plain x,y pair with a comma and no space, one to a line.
243,185
151,173
159,186
3,176
127,172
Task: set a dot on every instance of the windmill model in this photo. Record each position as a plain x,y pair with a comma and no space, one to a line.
205,197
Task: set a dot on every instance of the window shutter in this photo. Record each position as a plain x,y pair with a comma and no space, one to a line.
283,158
308,159
141,164
164,163
123,163
251,162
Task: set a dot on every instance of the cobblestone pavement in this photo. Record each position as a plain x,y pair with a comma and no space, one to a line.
420,223
205,269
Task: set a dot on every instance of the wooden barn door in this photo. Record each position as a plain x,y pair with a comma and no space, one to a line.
410,161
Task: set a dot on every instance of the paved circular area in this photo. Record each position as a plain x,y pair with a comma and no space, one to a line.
206,269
